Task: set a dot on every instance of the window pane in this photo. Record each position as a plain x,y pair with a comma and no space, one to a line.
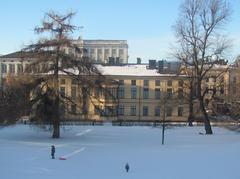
133,110
169,92
133,93
157,111
180,83
145,82
169,111
145,93
121,82
62,91
157,82
121,110
145,110
157,93
180,111
169,82
121,92
74,92
133,82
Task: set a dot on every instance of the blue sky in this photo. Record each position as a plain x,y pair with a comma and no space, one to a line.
146,24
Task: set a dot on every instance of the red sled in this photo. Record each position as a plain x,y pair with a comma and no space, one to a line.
62,158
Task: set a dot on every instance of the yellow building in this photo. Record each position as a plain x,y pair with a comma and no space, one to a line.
143,94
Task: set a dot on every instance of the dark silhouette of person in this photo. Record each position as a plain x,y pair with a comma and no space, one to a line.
53,152
127,167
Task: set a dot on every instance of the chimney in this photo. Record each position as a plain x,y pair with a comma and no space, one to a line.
152,64
160,66
139,61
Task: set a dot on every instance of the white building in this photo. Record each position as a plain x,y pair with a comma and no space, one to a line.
102,51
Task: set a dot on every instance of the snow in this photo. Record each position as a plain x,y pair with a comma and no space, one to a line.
102,152
124,70
130,70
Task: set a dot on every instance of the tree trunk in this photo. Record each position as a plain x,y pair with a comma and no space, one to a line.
207,124
56,119
56,129
191,116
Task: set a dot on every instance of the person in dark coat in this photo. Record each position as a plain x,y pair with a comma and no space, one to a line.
53,152
127,167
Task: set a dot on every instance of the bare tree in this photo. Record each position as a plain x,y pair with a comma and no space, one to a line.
200,43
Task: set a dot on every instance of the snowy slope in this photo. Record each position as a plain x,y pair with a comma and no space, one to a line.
102,151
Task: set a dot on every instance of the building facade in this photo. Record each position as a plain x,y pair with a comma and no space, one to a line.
105,51
143,93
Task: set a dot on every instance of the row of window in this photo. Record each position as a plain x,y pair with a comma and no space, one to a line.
121,93
111,92
145,111
157,83
12,69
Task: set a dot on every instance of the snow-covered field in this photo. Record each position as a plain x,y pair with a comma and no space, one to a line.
102,151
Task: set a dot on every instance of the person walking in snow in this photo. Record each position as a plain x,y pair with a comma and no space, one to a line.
127,167
53,152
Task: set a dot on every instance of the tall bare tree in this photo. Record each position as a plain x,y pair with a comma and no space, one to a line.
200,47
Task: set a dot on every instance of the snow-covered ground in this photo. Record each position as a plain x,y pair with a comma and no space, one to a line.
102,151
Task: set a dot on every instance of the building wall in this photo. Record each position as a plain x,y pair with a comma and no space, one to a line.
140,103
100,50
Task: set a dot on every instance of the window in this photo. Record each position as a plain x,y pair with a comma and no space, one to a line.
62,91
157,82
114,52
106,53
4,68
145,93
74,92
19,68
157,93
145,110
133,82
74,81
110,111
97,110
133,93
180,83
169,111
11,68
169,82
121,110
133,110
157,111
121,82
180,111
99,55
146,82
180,93
99,51
222,90
62,81
110,93
169,93
74,108
121,92
120,52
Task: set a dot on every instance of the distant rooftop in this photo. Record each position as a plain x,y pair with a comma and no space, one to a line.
19,54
